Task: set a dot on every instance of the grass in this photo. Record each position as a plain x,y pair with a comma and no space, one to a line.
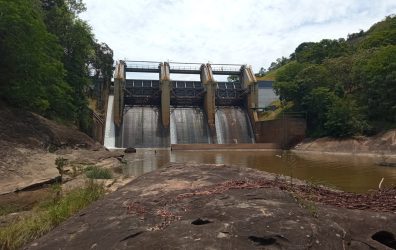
94,172
10,208
271,115
271,75
48,215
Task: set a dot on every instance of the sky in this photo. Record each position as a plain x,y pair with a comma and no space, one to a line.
253,32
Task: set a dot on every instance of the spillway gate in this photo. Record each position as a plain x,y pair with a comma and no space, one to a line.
161,112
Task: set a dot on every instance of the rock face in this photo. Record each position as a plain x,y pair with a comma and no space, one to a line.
130,150
216,207
27,145
383,143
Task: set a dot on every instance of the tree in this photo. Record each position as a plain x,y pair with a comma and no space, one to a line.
376,75
101,69
261,72
31,73
310,52
285,85
344,119
77,41
345,87
278,63
233,78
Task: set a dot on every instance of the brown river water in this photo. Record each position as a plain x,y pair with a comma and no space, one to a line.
348,173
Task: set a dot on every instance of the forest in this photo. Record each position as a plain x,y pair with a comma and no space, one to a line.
50,59
347,86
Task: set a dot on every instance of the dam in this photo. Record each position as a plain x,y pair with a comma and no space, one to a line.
162,113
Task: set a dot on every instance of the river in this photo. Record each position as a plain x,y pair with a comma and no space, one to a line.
347,173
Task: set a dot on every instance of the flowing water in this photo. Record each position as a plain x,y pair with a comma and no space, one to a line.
233,125
142,128
188,126
109,138
348,173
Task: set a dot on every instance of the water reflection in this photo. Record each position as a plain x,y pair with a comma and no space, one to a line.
355,174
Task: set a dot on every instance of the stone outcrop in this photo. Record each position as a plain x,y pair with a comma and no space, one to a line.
381,144
219,207
30,144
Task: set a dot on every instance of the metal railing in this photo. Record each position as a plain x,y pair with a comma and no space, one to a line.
185,68
225,69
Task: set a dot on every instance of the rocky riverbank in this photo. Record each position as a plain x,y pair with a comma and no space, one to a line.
219,207
382,145
31,144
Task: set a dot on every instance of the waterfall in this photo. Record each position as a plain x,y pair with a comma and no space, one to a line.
109,138
233,126
189,126
141,128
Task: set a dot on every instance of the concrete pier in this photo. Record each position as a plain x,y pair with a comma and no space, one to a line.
165,86
209,84
119,86
249,83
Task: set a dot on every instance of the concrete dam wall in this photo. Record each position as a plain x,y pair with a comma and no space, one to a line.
141,128
188,125
160,113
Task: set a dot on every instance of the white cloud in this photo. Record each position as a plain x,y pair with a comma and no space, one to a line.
241,31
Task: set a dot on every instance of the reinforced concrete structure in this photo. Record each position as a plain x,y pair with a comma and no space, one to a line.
179,113
164,93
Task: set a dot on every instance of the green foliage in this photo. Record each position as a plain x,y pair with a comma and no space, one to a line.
346,87
232,78
30,60
381,34
286,86
9,208
317,52
46,56
377,83
344,119
94,172
47,216
278,63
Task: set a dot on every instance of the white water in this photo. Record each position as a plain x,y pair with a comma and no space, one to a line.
188,126
219,129
233,126
142,128
109,139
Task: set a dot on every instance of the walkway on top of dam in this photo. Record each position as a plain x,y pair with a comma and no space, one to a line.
181,67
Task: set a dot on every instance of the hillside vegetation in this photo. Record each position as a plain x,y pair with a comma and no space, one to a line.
347,87
48,58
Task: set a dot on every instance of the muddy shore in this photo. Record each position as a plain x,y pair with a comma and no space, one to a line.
219,207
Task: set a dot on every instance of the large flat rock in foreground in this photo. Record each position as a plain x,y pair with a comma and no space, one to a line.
216,207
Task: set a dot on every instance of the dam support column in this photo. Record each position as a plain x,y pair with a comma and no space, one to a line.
119,86
165,85
249,83
209,84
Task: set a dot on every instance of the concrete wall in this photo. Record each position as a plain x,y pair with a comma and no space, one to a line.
238,146
286,132
98,128
165,85
119,85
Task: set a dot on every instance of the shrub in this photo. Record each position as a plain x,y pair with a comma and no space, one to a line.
344,119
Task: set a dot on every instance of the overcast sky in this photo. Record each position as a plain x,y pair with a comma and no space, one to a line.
225,31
